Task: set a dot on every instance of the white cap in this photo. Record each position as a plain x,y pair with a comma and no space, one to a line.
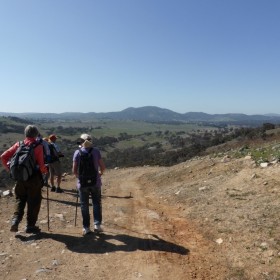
85,136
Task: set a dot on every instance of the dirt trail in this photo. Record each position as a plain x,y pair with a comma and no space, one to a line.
143,238
159,223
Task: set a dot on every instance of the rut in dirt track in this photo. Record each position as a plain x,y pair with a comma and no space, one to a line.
169,243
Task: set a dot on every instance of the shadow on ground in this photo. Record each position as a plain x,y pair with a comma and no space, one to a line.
104,243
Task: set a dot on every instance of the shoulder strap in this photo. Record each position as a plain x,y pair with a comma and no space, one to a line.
16,154
20,145
87,152
35,144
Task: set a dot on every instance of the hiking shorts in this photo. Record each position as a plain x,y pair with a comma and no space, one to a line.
55,168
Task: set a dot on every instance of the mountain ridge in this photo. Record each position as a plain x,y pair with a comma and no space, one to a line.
153,114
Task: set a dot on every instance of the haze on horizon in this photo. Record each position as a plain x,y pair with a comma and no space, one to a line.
214,56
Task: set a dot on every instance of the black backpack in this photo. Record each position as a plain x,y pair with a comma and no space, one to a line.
87,170
23,163
53,153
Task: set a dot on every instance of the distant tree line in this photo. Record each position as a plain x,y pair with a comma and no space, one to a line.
12,124
173,148
183,148
11,128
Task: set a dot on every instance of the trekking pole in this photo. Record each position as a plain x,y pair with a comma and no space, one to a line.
76,208
48,207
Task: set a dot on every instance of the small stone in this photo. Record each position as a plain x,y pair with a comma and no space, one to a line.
219,241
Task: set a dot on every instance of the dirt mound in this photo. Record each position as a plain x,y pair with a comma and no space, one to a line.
208,218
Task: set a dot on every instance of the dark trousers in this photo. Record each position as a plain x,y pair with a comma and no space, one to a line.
28,192
95,193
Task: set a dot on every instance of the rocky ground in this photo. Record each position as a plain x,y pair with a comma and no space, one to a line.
207,218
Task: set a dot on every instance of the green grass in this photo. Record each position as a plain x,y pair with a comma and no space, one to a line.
113,128
266,153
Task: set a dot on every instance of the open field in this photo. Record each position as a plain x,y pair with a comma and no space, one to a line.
127,134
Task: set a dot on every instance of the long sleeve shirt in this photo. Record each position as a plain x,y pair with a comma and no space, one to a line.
38,152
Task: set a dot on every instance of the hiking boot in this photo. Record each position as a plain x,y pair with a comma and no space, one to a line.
14,226
86,230
58,190
32,229
53,189
98,228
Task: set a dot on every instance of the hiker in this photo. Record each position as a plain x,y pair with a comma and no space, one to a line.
27,192
47,156
91,186
55,164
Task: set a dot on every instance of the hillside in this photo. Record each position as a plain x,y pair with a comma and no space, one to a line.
206,218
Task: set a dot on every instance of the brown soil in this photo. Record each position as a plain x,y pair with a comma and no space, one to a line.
208,218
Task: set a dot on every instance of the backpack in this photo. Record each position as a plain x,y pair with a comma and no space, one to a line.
53,153
23,163
46,150
87,171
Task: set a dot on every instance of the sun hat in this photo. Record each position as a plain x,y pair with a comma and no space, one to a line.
52,137
83,137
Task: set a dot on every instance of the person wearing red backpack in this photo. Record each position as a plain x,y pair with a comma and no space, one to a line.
27,192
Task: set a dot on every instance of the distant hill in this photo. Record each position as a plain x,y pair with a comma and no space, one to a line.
154,114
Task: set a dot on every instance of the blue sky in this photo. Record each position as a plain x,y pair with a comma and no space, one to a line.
212,56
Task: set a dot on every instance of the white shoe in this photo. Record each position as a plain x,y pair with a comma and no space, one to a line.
86,231
98,228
